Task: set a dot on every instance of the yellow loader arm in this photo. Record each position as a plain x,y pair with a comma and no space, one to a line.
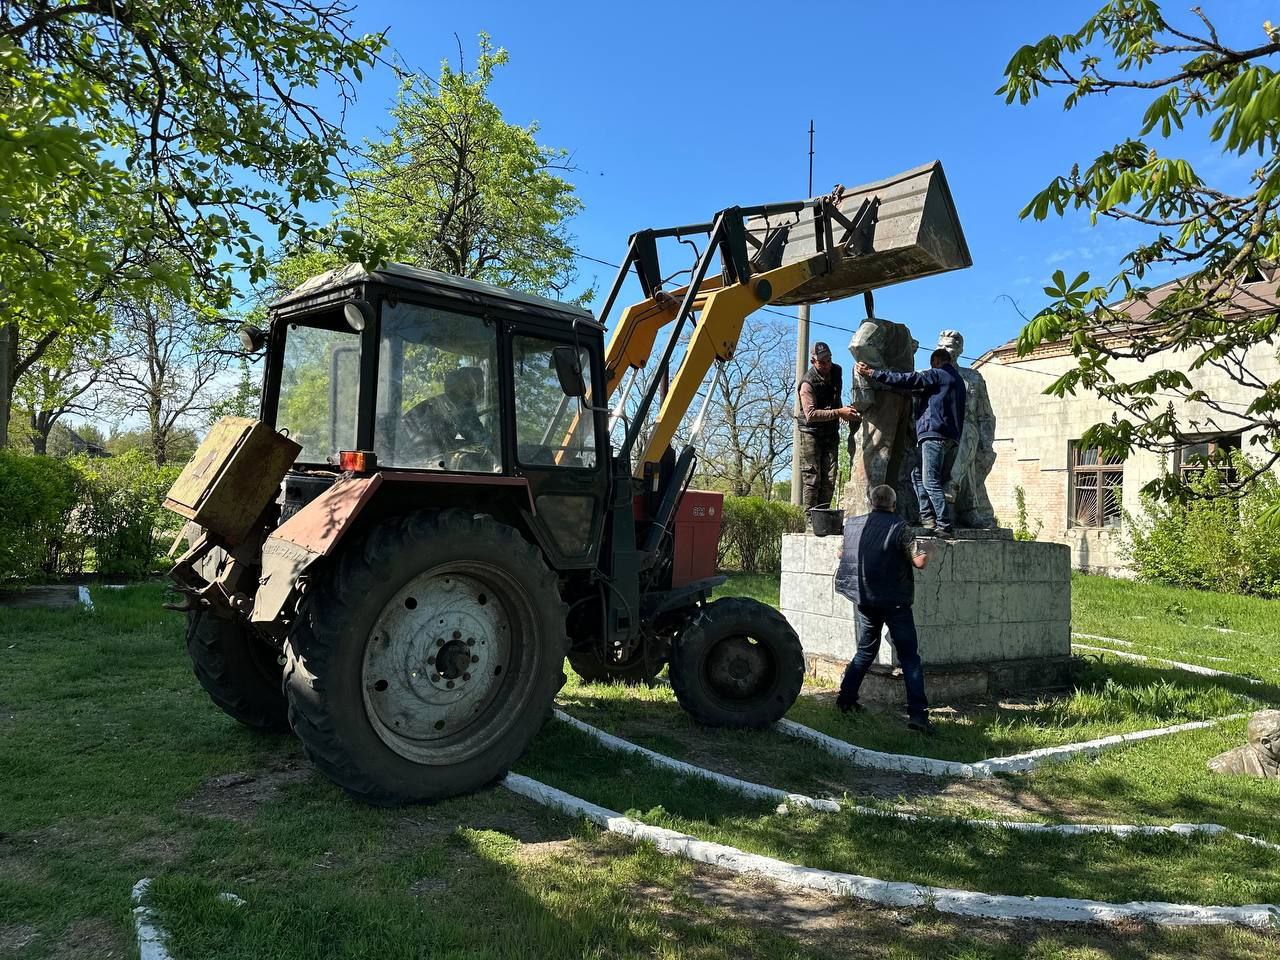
804,251
715,337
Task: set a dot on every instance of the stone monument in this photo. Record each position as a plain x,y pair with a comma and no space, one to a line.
1260,757
992,613
967,485
888,442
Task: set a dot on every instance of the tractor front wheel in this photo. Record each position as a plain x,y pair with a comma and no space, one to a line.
426,657
739,664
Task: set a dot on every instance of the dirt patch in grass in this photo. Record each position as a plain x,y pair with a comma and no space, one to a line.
91,938
237,796
158,849
528,825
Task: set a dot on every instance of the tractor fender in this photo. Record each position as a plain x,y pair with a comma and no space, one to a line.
307,536
315,531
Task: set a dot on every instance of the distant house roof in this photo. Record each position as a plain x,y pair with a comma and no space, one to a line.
1250,298
80,445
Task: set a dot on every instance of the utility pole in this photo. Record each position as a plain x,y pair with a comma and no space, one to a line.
802,362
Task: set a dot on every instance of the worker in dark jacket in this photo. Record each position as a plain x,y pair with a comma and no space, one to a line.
939,413
877,566
819,427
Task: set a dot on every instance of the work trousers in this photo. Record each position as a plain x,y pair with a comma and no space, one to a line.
819,461
902,633
929,477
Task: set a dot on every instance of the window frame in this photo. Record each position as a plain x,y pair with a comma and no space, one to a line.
1216,443
390,298
591,377
1101,469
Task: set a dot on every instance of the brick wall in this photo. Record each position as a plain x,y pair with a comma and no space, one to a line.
1033,436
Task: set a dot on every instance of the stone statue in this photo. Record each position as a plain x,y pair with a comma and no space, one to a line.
1260,757
887,431
976,455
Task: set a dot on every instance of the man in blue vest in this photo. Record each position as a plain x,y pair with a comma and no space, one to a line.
939,412
877,573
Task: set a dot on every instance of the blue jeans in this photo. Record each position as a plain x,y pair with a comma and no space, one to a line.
936,458
902,633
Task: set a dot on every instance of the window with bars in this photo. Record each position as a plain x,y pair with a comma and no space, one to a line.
1217,450
1097,487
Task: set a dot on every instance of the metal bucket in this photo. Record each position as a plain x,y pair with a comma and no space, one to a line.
826,523
916,234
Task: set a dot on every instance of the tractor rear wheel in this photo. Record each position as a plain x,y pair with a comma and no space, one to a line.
632,672
426,657
739,664
240,672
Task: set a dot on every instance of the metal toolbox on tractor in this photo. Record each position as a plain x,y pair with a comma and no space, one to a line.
232,477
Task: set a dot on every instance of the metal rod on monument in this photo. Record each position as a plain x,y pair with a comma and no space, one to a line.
802,363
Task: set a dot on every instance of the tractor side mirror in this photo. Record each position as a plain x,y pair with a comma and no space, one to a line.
569,371
253,339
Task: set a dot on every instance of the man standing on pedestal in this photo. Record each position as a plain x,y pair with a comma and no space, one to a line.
939,412
819,427
876,572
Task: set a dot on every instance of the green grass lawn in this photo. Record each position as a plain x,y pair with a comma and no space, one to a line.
1235,634
113,766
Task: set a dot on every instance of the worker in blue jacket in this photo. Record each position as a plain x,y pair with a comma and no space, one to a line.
939,412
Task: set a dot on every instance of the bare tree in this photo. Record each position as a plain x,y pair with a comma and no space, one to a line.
747,442
63,381
168,361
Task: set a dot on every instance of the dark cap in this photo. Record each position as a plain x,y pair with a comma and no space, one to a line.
821,350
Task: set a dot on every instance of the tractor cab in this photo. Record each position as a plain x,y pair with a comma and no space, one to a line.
425,378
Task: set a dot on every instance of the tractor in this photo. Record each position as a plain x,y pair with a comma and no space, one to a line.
454,487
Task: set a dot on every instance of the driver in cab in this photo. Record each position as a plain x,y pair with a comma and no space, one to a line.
446,430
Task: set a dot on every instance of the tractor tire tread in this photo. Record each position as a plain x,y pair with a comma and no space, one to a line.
355,572
772,627
221,662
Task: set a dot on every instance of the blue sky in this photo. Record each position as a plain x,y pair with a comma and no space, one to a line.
674,110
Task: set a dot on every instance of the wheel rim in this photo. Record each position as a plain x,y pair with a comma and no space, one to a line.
739,669
447,664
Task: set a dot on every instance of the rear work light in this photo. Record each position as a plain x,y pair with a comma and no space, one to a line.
358,461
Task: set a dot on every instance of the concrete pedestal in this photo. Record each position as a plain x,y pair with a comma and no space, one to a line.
992,613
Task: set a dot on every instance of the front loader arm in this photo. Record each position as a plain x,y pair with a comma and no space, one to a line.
715,337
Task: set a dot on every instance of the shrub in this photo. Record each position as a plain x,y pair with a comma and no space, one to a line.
1210,543
120,523
751,532
1022,526
37,495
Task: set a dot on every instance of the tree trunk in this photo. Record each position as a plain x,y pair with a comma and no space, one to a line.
8,378
40,427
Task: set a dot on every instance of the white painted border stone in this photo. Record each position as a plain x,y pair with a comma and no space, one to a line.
150,939
151,945
1094,636
744,787
863,757
1115,829
1014,763
893,893
85,600
750,789
1188,667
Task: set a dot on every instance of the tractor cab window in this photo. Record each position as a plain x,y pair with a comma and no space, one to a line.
437,391
320,389
552,429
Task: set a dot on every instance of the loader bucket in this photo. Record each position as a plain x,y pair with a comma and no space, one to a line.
914,233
